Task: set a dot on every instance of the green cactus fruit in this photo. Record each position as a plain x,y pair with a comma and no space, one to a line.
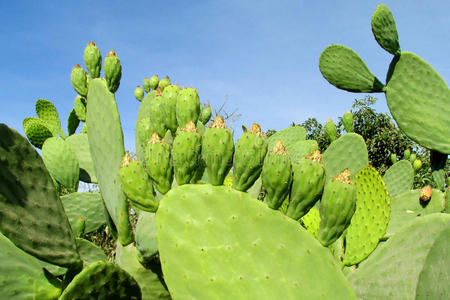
102,280
139,93
146,237
79,144
276,175
188,106
399,178
79,228
414,92
136,184
157,114
186,153
37,131
46,111
79,105
347,120
158,161
217,150
393,158
72,122
163,83
330,130
384,30
417,164
438,162
311,221
154,82
224,265
113,71
78,78
31,213
251,149
344,69
406,154
337,207
146,85
205,114
368,224
170,95
412,158
308,181
93,60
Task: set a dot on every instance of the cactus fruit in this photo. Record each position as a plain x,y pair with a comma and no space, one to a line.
393,158
251,149
139,93
37,131
157,114
169,101
384,30
330,130
188,106
337,207
426,193
158,161
146,85
136,184
92,60
113,71
79,228
217,150
307,185
79,105
347,120
406,154
163,83
276,175
205,114
412,158
78,78
417,164
154,82
186,153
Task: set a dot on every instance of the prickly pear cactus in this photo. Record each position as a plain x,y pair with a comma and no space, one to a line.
347,120
92,60
37,131
399,178
157,114
330,130
46,111
384,30
158,162
187,106
311,221
78,78
113,71
170,95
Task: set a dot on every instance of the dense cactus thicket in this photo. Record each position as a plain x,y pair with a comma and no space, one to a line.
329,226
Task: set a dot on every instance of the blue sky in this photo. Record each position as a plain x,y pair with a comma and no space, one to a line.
262,56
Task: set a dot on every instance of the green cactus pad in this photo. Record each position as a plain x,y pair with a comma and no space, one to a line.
344,69
61,162
31,214
89,206
290,137
72,122
384,30
89,252
143,133
406,207
79,105
399,178
163,83
148,278
102,280
205,114
106,145
157,116
239,234
80,146
347,152
146,237
369,223
21,275
37,131
418,99
396,270
311,221
46,111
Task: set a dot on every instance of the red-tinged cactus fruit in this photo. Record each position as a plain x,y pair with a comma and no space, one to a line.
113,71
78,78
163,83
154,82
146,85
276,175
347,120
92,60
139,93
426,193
158,161
186,153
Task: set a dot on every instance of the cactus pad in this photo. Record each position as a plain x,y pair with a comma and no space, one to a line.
37,131
89,252
311,221
146,237
289,136
80,146
384,30
399,178
72,122
46,111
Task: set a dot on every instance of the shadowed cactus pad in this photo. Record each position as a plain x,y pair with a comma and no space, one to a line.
245,251
384,30
37,131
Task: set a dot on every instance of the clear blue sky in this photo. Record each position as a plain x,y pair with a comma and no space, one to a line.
260,55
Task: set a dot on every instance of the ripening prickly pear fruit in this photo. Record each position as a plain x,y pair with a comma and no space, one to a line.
78,78
163,83
308,181
158,161
80,227
186,153
330,130
276,175
169,100
406,154
393,158
412,158
251,149
92,60
426,193
157,114
188,106
417,164
217,151
154,81
136,184
139,93
113,71
347,120
205,114
337,207
146,85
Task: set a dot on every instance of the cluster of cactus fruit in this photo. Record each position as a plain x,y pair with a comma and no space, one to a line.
202,233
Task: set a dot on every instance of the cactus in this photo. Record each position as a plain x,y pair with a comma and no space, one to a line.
330,130
79,228
78,78
158,161
79,106
438,161
113,71
311,221
92,60
139,93
406,154
157,114
187,107
205,114
72,123
163,83
89,252
146,237
170,95
412,158
37,131
384,30
46,111
399,178
79,144
154,82
347,120
393,158
290,137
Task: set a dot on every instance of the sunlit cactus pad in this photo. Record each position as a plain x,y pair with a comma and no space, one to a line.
217,243
399,178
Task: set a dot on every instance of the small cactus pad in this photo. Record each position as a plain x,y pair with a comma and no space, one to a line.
418,99
102,280
384,30
146,237
72,122
344,69
80,146
139,93
369,223
401,268
37,131
399,178
347,152
238,235
154,82
163,83
157,115
205,114
46,111
106,145
31,214
21,275
146,85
